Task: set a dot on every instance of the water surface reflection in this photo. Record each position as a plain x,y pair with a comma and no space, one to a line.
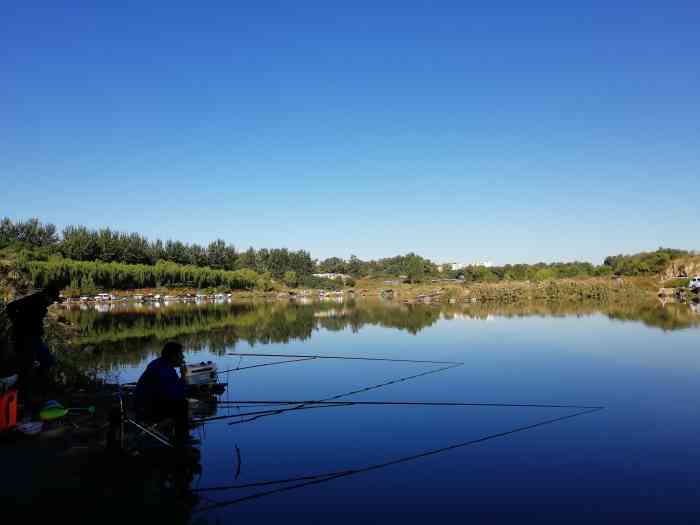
493,461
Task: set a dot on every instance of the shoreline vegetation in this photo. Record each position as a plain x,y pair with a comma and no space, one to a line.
129,267
436,291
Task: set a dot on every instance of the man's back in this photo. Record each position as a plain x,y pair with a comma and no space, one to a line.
158,384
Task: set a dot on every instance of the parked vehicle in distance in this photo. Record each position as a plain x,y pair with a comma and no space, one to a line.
695,283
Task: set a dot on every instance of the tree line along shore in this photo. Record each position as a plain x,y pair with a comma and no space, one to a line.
85,261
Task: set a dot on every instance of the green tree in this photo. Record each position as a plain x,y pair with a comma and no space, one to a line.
354,266
332,265
265,282
290,279
544,274
247,260
415,270
87,286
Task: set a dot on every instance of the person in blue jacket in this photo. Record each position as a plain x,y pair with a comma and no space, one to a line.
160,392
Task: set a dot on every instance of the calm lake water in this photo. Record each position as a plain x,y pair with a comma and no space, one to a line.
637,460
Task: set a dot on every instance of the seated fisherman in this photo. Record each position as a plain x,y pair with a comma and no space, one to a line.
160,392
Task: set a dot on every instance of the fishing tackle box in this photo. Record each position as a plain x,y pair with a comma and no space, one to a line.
203,373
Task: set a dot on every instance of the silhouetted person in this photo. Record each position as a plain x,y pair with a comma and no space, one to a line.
160,392
32,358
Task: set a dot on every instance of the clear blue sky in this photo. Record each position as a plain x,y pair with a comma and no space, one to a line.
506,131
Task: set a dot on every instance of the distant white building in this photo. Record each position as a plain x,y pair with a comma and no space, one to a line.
332,276
447,266
452,266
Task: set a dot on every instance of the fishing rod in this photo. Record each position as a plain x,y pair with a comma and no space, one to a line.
300,357
260,413
266,364
264,483
338,396
350,393
325,404
411,403
323,478
352,358
392,382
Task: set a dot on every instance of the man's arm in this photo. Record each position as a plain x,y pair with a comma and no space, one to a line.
173,387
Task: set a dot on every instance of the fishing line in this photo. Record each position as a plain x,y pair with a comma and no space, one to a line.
265,364
338,396
352,358
265,483
301,357
327,404
323,478
261,413
238,462
352,392
393,381
415,403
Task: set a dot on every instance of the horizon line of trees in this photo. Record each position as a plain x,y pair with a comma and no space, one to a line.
88,277
79,243
638,264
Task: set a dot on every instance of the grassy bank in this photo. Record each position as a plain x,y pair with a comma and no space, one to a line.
601,289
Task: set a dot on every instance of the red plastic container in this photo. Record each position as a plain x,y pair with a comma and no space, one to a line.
8,410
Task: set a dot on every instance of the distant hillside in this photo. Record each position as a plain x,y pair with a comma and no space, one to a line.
682,267
644,263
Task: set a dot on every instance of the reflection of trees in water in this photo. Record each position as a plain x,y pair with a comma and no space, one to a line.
672,316
129,336
411,318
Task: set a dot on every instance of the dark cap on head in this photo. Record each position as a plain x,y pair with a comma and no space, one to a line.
52,292
30,309
171,350
35,303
